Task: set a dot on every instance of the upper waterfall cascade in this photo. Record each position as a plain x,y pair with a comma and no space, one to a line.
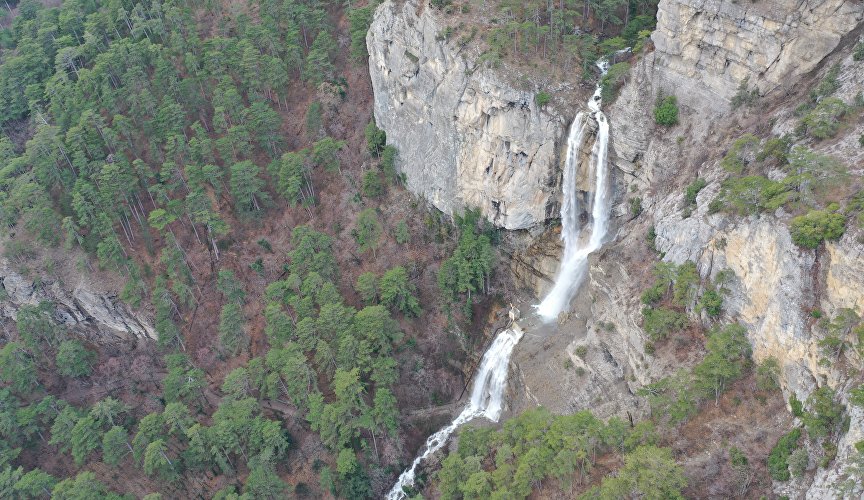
578,246
490,380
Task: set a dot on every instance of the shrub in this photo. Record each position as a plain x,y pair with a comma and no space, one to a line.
858,54
542,98
768,375
810,230
741,154
660,322
778,459
372,186
711,302
828,85
744,96
825,413
613,80
796,406
751,195
635,206
776,148
74,360
693,190
824,120
798,461
666,111
375,138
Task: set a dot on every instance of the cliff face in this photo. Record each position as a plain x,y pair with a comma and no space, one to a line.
465,137
703,51
705,48
98,315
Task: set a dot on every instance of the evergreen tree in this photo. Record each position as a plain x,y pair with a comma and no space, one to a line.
74,360
397,292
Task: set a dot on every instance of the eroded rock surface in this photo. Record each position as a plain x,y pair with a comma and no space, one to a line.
707,47
96,314
465,137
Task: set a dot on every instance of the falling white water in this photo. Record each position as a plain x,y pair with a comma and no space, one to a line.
576,248
486,400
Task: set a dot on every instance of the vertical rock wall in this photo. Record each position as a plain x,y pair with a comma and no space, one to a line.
465,137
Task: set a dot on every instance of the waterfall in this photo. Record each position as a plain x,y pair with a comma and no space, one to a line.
491,379
574,261
486,400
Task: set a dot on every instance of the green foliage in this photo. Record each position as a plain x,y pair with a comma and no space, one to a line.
183,382
798,461
613,80
388,164
744,95
751,195
711,302
232,329
84,486
741,154
856,396
728,355
666,111
659,322
635,206
693,189
74,360
367,287
375,139
542,98
529,448
470,266
360,19
823,121
810,230
36,326
828,85
398,293
368,232
85,437
115,445
825,413
17,367
325,153
314,120
372,186
230,286
858,53
247,188
402,236
648,472
768,375
778,459
672,397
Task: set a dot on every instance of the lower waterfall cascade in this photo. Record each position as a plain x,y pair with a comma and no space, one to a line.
490,380
486,400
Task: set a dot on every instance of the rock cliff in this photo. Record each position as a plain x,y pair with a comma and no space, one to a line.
703,51
705,48
465,137
96,314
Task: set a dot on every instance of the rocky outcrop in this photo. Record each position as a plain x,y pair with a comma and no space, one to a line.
465,137
98,315
705,48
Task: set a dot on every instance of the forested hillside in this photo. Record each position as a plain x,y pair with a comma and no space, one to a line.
216,161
